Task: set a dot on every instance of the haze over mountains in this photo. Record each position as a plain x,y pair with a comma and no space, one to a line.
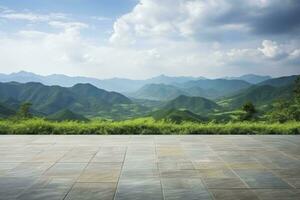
60,97
113,84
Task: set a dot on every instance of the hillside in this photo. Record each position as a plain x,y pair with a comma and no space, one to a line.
197,91
158,92
177,116
281,81
250,78
198,105
217,87
66,115
82,98
164,92
6,112
260,95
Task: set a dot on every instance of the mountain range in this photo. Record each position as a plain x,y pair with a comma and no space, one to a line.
174,98
114,84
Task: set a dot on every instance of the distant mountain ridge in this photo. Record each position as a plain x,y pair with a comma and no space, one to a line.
113,84
250,78
122,85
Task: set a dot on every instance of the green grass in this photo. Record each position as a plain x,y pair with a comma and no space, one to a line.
143,126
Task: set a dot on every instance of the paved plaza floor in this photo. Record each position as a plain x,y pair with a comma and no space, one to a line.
149,167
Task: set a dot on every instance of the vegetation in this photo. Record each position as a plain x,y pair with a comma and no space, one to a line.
284,110
6,112
217,88
83,98
258,95
249,110
158,92
66,115
85,109
178,116
198,105
143,126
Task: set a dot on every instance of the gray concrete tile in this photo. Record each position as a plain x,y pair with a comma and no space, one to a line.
233,194
11,187
224,183
101,172
139,189
277,194
92,191
261,179
65,170
48,188
149,167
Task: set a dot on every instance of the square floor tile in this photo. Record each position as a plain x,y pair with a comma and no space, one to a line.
233,194
261,179
92,191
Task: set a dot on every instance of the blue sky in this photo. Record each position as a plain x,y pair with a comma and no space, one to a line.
107,8
145,38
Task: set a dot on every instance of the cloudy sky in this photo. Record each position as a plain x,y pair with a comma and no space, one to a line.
145,38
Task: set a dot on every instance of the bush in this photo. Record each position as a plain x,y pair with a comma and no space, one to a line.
144,126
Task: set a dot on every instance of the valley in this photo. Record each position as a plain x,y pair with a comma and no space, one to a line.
177,99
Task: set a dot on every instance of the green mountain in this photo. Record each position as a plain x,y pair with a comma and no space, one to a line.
66,115
196,91
158,92
260,95
177,116
281,81
198,105
81,98
217,87
163,92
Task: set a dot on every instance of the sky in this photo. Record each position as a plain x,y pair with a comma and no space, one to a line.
145,38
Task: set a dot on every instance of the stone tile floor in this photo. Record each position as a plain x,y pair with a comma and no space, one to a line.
149,167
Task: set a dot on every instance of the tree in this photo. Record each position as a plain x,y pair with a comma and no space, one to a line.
297,91
281,111
287,109
249,110
24,111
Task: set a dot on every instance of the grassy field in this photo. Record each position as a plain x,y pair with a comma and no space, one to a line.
143,126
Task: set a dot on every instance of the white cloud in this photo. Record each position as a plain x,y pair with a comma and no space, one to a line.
32,17
162,37
270,49
295,54
178,18
101,18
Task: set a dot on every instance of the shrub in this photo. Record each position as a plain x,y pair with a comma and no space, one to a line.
143,126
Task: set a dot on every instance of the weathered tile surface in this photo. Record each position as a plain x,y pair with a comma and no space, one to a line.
149,167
